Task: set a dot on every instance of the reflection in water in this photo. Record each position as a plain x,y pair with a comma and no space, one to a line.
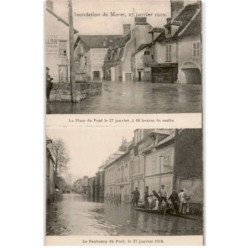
76,216
118,98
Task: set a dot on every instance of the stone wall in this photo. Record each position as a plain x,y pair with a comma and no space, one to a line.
62,92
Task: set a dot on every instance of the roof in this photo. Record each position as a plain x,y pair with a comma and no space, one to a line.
142,46
193,28
59,18
157,30
122,42
119,157
189,14
162,131
98,41
166,140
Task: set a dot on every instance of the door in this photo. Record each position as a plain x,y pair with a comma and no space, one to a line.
139,76
96,75
63,73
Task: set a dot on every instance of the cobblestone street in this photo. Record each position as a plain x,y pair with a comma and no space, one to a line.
76,216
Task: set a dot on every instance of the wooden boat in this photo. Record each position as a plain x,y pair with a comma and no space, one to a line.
161,212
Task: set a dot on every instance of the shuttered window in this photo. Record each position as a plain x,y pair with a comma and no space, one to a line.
196,49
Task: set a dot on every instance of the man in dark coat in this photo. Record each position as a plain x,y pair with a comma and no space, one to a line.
135,197
49,84
174,200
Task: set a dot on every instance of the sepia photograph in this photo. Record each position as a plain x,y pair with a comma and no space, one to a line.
124,182
123,57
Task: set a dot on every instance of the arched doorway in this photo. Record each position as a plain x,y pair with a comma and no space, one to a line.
190,73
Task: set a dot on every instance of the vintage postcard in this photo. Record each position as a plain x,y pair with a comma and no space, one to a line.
124,186
124,137
123,57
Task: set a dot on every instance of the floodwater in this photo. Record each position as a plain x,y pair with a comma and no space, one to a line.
74,215
136,98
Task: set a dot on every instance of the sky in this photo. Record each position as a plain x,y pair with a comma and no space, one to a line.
111,25
89,147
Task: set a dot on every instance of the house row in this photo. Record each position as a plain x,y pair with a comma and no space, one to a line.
172,158
154,157
169,54
166,54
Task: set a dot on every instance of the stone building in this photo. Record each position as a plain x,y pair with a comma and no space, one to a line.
160,161
189,44
174,160
177,50
156,157
118,61
117,175
90,51
137,160
56,45
140,63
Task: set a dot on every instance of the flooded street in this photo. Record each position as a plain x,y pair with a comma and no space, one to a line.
74,215
133,98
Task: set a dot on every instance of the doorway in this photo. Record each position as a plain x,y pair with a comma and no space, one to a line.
139,76
63,73
96,75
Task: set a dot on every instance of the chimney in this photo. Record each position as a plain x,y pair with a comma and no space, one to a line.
176,6
126,29
49,4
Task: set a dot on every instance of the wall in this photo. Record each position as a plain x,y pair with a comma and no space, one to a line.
139,35
158,170
62,92
189,164
97,56
160,50
185,56
54,31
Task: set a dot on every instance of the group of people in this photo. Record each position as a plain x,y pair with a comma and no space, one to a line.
176,202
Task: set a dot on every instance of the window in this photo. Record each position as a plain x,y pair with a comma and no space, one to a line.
167,163
196,49
168,56
62,48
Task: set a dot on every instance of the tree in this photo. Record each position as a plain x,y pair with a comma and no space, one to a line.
60,155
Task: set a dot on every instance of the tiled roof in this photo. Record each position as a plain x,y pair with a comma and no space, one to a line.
98,41
184,19
142,46
194,28
156,29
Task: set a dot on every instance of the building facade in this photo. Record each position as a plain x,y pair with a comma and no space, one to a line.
156,157
56,45
90,51
118,61
117,175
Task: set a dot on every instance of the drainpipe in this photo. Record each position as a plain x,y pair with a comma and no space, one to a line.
174,184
